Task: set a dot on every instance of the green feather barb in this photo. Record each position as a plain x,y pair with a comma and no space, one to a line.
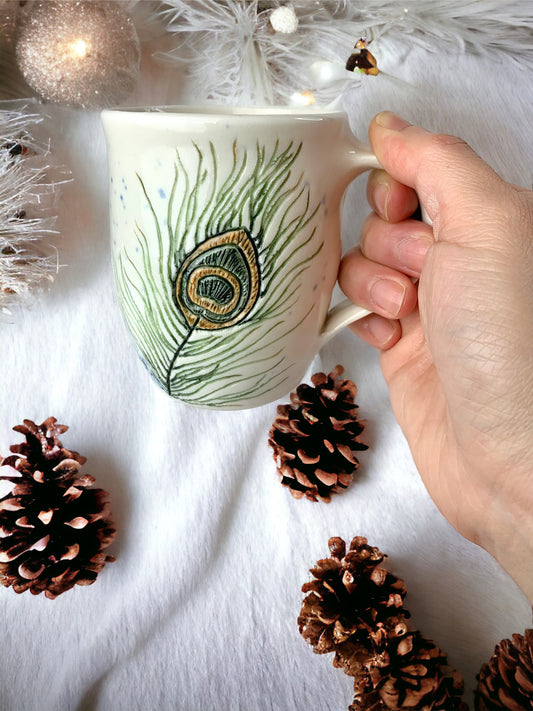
205,279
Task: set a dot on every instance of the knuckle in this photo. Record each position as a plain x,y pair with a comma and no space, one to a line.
444,141
444,149
447,157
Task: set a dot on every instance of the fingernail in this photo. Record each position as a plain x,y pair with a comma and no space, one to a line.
411,253
388,295
387,119
381,329
380,198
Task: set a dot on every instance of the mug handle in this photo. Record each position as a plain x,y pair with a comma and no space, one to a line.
346,312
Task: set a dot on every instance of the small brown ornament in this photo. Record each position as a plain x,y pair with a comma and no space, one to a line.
54,526
506,682
362,61
314,437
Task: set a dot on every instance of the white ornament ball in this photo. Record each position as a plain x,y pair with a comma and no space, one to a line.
284,20
83,54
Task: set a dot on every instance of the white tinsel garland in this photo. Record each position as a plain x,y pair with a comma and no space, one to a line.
27,192
235,55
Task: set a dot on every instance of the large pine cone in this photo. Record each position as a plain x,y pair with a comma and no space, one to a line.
408,672
506,682
315,437
352,604
355,608
54,525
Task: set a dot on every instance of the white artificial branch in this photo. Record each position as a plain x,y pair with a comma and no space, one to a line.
215,39
28,259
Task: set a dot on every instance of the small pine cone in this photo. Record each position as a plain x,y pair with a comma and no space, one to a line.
352,604
315,437
506,682
54,526
408,672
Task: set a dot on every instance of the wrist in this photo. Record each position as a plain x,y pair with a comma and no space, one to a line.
510,542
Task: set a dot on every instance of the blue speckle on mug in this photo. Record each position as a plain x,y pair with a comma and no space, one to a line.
162,193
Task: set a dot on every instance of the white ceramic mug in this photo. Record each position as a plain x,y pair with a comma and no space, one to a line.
225,229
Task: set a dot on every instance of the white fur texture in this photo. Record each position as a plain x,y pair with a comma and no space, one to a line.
199,611
233,55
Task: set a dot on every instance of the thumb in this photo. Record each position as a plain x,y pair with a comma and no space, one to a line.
452,182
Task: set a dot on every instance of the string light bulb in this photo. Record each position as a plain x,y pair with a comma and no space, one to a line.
79,48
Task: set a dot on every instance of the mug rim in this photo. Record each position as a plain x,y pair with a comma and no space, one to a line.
227,112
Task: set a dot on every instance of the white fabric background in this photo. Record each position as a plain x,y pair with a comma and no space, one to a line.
199,611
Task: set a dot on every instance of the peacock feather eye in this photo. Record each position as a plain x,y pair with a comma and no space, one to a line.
217,284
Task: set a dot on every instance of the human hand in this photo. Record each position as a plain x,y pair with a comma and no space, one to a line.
457,346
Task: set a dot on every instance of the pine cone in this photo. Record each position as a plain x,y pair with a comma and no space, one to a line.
506,682
408,672
352,604
315,437
354,608
54,525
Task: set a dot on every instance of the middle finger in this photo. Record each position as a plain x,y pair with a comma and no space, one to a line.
402,246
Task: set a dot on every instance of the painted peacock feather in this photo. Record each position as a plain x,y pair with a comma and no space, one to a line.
212,273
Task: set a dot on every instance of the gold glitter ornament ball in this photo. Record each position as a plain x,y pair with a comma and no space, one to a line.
83,54
8,18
